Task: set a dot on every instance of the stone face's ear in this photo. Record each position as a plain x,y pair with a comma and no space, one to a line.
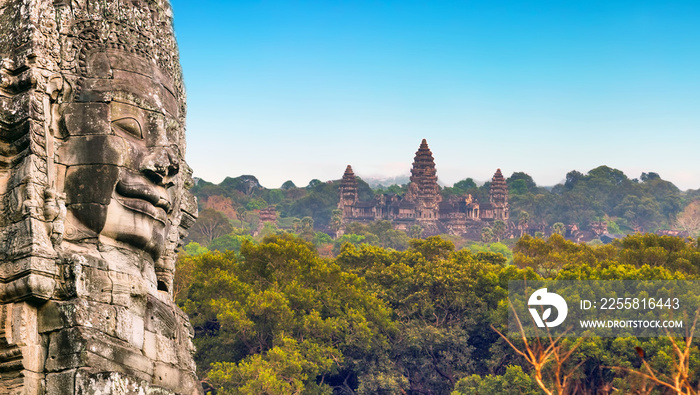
59,91
58,88
55,86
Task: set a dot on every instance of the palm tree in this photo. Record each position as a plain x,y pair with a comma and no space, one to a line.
499,229
240,213
415,231
336,221
523,219
486,234
559,228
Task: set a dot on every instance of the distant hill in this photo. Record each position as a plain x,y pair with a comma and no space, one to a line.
383,182
316,200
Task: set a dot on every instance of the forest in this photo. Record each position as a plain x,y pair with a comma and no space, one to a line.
286,307
275,317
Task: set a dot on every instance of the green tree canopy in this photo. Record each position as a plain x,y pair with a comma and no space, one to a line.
278,317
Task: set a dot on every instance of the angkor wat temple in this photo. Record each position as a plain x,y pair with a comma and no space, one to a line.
423,205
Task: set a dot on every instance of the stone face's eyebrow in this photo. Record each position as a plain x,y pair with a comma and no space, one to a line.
144,91
144,102
136,100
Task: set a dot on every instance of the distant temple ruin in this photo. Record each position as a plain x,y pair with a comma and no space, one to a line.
423,205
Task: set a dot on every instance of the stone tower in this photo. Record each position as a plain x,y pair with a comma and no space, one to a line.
423,190
348,192
93,194
498,196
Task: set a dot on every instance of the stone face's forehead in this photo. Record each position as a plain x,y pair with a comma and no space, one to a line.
122,76
145,92
135,37
125,61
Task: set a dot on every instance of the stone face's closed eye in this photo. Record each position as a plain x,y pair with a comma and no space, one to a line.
128,125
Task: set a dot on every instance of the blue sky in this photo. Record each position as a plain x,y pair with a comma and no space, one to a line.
299,89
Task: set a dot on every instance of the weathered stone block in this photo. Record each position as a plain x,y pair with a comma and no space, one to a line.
62,383
110,356
54,316
189,383
127,291
166,350
33,384
93,216
66,350
164,374
100,316
150,345
94,284
94,149
32,286
28,237
24,325
20,267
51,317
79,346
33,358
130,328
85,119
91,183
160,318
118,61
95,90
90,382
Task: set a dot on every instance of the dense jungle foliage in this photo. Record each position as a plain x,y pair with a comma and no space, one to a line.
274,317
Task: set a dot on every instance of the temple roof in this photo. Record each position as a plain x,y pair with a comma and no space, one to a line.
348,179
348,173
405,204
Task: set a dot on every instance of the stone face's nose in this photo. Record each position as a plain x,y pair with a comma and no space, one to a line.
161,165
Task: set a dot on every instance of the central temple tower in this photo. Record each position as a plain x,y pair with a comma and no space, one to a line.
423,189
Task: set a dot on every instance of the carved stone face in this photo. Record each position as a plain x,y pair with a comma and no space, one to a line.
121,154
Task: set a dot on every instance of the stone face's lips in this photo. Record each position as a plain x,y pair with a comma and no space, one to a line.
143,207
139,194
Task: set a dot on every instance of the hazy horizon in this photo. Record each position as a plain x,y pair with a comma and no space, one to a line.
378,179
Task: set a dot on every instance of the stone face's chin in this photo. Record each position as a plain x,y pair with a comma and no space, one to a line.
136,222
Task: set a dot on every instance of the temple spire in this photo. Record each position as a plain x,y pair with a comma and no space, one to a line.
498,196
348,191
424,189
